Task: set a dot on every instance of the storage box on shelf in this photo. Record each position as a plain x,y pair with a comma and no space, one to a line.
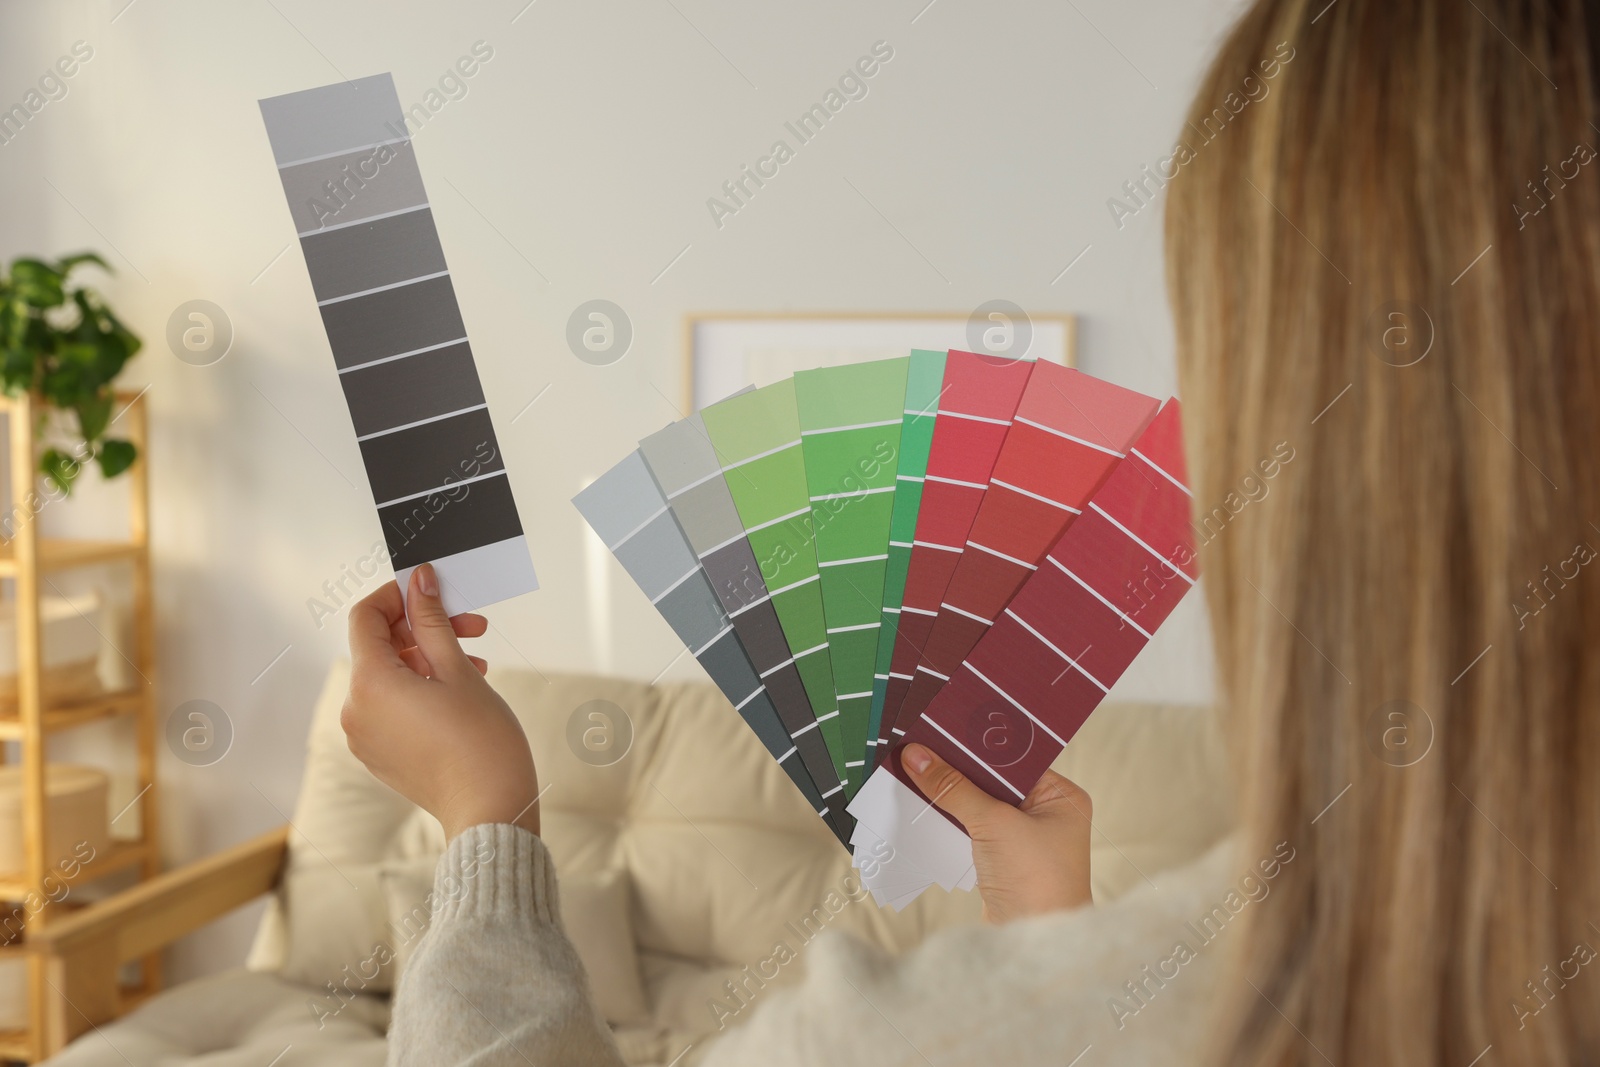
45,689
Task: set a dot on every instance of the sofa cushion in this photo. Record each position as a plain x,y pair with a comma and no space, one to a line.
723,857
238,1019
720,850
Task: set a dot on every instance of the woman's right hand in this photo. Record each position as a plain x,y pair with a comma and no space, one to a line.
1032,858
423,719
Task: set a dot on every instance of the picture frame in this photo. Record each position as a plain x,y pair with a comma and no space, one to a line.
724,352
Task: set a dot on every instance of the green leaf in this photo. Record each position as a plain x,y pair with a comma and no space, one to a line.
80,354
37,283
116,456
16,369
71,379
66,263
94,415
69,361
112,351
61,469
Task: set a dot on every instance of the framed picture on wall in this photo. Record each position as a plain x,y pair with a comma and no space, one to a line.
724,352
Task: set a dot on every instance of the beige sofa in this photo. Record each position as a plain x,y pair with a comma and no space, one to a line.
684,862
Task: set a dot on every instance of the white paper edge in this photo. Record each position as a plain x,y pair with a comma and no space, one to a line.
889,878
901,903
480,576
893,882
913,828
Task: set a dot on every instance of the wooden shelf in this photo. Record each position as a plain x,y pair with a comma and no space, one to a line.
77,712
58,553
25,560
119,857
16,1045
12,403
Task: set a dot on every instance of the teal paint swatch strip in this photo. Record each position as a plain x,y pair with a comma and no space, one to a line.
924,386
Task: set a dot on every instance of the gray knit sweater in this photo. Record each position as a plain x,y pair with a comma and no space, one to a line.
496,981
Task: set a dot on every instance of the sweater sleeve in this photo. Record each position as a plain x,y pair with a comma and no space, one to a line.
495,980
496,983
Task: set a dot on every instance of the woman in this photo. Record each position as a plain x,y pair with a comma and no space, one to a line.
1391,261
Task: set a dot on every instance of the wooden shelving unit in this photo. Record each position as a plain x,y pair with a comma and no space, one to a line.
25,560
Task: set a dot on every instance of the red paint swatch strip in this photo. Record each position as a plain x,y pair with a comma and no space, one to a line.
1077,623
977,405
1070,431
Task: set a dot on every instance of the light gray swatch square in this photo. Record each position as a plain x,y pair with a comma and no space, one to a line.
333,118
357,185
620,500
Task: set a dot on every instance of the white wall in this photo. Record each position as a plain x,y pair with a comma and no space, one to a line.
577,166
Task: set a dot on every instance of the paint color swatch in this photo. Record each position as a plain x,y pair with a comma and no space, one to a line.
757,439
383,289
850,420
1070,431
1076,625
1030,682
980,397
1005,536
924,383
685,468
628,512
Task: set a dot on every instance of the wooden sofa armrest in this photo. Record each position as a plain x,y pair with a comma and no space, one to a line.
81,953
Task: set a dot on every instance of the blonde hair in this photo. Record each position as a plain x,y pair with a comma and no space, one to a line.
1391,261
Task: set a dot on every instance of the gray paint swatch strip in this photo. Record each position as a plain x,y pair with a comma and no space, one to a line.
343,157
629,513
684,465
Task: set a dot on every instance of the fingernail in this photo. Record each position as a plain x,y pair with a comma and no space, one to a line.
426,581
916,758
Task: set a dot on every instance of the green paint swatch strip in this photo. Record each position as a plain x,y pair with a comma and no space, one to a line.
757,438
850,423
924,384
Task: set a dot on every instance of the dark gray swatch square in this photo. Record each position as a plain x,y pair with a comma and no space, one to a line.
788,692
353,259
393,321
403,391
442,524
762,634
431,455
734,575
759,716
728,665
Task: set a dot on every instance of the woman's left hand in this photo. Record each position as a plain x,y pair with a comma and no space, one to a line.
423,719
1032,858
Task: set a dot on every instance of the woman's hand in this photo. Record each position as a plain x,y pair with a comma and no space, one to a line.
1032,858
424,721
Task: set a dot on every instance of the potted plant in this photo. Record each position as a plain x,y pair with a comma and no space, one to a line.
62,345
